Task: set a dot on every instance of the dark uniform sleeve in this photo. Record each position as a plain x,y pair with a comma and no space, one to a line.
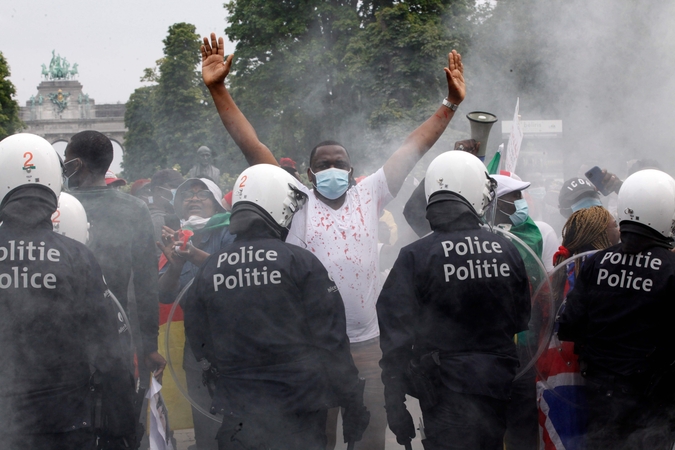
325,314
397,314
573,320
144,262
522,298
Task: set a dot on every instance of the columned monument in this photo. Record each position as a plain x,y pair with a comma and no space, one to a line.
61,108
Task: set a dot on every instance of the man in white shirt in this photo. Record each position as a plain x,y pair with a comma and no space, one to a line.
339,223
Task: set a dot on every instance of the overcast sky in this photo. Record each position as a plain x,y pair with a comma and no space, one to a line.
112,41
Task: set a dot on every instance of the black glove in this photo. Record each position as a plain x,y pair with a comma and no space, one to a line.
355,416
400,422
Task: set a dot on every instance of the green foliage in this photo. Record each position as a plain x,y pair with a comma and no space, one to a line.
142,157
10,122
178,100
168,121
364,73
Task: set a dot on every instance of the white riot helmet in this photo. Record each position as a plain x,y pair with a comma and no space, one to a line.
70,218
648,197
272,189
461,173
29,159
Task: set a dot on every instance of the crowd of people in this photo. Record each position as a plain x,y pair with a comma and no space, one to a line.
289,321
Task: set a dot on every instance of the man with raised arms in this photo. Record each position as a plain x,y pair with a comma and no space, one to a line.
339,224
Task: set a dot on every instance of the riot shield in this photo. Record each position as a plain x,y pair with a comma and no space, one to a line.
533,342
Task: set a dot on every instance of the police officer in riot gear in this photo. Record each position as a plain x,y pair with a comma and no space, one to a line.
55,324
619,315
270,322
448,313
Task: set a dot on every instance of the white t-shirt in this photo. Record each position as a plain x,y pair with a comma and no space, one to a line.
345,241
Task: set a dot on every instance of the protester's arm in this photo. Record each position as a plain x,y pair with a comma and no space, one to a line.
215,69
399,165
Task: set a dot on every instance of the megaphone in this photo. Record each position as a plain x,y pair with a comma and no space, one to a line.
481,123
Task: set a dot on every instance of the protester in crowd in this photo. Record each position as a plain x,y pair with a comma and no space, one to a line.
267,319
121,238
339,224
560,387
510,190
56,324
448,320
575,194
204,231
163,188
618,315
512,215
113,181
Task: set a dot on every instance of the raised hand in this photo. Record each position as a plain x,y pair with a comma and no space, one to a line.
455,75
215,67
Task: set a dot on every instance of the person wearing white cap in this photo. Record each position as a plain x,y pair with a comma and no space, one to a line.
513,214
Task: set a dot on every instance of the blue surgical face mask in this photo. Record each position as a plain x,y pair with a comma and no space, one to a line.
522,211
586,202
332,183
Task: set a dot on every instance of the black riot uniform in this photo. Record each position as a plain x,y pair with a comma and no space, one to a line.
448,313
619,315
268,318
55,325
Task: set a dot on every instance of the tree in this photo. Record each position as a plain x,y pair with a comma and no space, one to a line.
10,122
310,70
142,157
169,120
178,100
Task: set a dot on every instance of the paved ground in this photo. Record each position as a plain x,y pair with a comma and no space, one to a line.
185,438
